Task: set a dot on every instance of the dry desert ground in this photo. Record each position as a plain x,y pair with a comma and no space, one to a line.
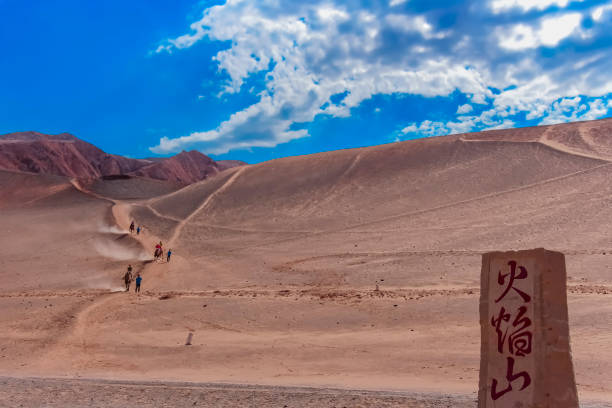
347,278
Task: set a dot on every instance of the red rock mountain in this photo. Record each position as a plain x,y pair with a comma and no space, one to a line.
185,167
64,154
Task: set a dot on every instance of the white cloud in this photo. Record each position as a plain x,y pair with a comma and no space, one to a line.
394,3
572,109
560,111
402,22
437,128
410,129
467,108
597,109
308,70
320,48
555,29
427,128
599,12
504,124
519,37
552,30
327,13
499,6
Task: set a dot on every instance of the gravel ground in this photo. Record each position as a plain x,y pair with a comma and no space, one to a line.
65,393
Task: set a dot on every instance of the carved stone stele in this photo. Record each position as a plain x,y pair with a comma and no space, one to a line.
525,357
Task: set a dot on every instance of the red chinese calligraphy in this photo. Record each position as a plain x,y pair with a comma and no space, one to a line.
501,278
501,336
519,340
513,334
510,377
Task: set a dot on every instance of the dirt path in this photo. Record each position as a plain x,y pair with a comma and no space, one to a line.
310,205
74,335
76,184
160,215
181,225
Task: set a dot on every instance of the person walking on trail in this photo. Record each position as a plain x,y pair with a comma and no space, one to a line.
168,255
159,252
138,230
138,282
132,227
128,278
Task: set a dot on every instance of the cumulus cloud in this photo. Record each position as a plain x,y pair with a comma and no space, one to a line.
571,109
467,108
550,32
499,6
310,52
599,12
486,121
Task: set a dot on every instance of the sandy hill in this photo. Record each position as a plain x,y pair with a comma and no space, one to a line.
275,265
66,155
353,188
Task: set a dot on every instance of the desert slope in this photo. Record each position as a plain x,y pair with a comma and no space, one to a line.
275,266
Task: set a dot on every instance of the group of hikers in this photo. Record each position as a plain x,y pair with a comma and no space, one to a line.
158,254
129,277
137,229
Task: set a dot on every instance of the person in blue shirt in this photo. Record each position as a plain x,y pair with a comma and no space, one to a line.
168,255
138,282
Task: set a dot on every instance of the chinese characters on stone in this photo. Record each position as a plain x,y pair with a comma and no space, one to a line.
513,335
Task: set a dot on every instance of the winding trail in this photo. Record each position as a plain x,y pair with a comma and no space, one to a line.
75,333
160,215
225,186
76,184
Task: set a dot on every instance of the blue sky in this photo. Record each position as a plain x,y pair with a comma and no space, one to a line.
257,80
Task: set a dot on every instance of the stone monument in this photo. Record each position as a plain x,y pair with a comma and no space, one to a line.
525,358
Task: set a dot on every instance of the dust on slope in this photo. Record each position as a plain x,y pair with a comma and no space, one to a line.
56,264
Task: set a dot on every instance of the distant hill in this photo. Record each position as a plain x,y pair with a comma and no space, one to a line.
66,155
185,167
228,164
